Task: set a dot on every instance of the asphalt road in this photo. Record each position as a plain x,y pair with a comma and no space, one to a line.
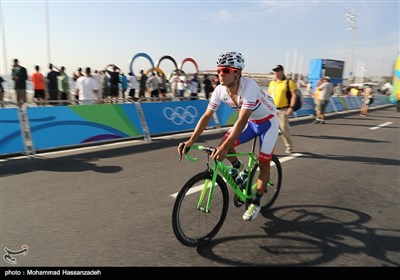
111,205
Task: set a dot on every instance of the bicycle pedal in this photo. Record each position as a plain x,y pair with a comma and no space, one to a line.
237,202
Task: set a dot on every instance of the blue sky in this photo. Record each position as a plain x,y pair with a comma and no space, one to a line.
96,33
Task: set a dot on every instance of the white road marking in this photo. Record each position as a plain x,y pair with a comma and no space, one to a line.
292,156
200,187
381,125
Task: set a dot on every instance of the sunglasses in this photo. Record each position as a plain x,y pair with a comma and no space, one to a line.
226,70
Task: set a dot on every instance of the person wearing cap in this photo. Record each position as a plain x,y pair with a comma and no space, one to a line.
277,88
256,118
321,102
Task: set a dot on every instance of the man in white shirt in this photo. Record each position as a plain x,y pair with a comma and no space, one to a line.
87,88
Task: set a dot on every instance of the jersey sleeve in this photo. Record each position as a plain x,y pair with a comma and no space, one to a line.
215,101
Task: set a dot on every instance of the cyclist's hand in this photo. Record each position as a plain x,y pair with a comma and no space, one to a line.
183,146
219,153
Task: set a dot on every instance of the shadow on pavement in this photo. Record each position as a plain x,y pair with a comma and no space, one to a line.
308,235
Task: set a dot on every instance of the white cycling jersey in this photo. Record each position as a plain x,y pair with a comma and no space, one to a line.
250,96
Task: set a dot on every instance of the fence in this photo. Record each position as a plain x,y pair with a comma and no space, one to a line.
28,129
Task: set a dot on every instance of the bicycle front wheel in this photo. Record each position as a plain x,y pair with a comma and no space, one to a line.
274,184
193,225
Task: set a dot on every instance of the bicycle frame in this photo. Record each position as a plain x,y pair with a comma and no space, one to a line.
194,226
218,166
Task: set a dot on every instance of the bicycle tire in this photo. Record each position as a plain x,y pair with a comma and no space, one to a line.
273,189
193,226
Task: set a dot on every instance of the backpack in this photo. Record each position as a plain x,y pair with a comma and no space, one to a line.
371,100
298,103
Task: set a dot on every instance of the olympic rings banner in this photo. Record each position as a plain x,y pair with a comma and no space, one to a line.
172,116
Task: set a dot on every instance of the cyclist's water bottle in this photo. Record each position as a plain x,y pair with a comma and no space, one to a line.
234,173
243,176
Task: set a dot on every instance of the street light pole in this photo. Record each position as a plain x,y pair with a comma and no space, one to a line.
351,18
379,73
48,33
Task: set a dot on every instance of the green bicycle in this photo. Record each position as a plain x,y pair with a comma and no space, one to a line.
202,204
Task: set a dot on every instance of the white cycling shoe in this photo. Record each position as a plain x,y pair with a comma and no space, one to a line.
251,212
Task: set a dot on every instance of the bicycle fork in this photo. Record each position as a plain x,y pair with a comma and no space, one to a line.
209,185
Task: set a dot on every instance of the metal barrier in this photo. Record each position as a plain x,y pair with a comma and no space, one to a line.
29,128
14,134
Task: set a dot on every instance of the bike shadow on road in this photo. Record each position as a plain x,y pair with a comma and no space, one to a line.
342,138
77,161
61,164
363,159
309,235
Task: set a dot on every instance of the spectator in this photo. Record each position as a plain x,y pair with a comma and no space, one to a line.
1,92
367,100
76,76
124,84
19,76
207,86
154,83
337,90
181,83
105,85
277,89
194,87
133,85
87,88
173,81
97,76
142,83
114,81
163,84
38,86
63,85
321,102
52,83
79,74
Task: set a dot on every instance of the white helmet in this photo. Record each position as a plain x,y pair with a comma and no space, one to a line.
231,59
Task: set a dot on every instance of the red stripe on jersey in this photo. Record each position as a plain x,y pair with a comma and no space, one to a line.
262,120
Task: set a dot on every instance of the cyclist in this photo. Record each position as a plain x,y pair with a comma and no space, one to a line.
257,117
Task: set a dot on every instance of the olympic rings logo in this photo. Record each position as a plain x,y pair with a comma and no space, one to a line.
165,57
180,115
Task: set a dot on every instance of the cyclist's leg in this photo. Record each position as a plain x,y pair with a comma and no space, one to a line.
247,134
269,133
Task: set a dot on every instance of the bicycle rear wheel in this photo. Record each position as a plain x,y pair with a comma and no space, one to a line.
274,185
192,225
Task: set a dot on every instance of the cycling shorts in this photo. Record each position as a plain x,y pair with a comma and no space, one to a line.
268,132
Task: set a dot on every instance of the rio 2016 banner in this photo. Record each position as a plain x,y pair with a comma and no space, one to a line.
60,126
11,140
